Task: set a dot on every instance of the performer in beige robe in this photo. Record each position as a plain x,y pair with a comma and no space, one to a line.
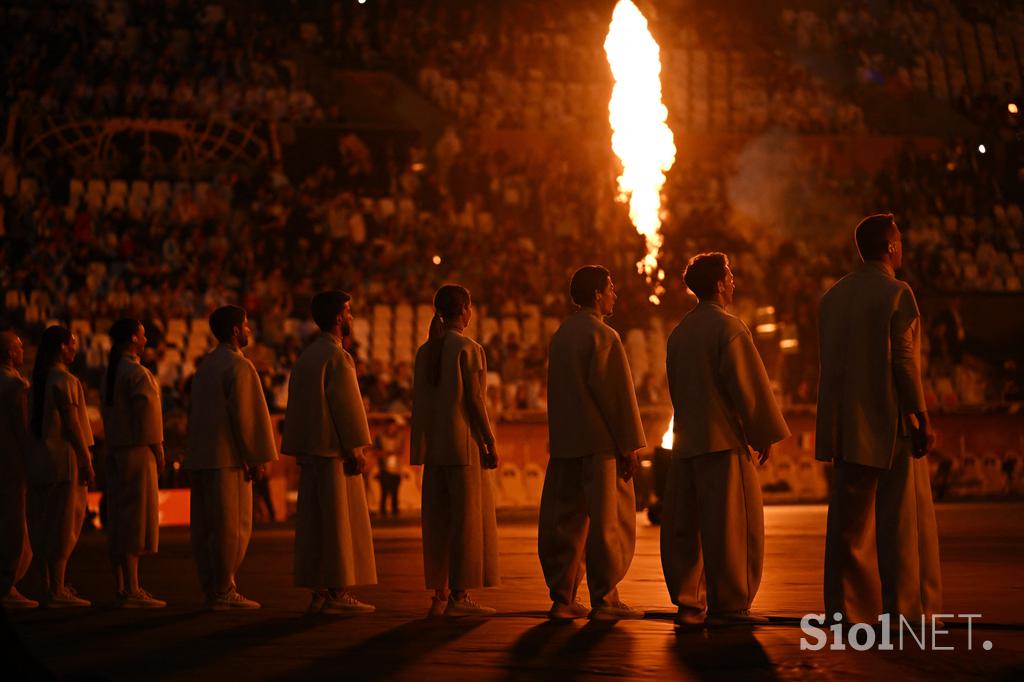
453,440
133,424
881,547
588,508
230,440
325,428
15,550
59,465
712,533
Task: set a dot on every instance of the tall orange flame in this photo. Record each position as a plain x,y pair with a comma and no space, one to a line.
640,136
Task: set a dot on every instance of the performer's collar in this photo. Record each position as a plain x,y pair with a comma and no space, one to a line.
231,347
881,266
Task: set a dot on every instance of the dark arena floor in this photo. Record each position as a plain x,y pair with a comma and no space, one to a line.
982,552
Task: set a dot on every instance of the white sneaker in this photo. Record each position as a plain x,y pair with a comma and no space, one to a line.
231,600
345,604
466,607
736,618
16,600
316,602
560,611
615,611
688,618
66,598
141,599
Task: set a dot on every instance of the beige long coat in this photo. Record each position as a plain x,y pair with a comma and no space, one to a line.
870,366
449,423
229,425
15,551
449,420
133,425
592,408
325,419
720,390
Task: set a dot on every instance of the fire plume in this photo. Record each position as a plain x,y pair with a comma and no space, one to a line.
640,136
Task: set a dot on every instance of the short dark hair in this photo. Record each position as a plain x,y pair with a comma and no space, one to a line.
325,307
224,319
704,272
872,235
586,282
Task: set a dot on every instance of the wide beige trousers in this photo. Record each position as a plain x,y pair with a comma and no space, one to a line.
460,528
587,524
333,537
882,542
56,513
133,501
221,524
15,549
712,532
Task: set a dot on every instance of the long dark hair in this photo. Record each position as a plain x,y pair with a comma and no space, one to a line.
121,333
54,338
449,301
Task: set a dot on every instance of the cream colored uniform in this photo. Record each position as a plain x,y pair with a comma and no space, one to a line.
325,418
588,513
15,549
449,428
712,534
134,430
56,496
228,429
881,547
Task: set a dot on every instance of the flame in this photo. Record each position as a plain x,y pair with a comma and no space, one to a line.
640,137
669,438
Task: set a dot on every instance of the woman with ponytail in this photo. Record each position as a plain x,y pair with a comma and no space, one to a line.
452,439
60,465
133,423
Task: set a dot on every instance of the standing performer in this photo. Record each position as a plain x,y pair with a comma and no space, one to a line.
60,464
133,423
230,439
452,439
325,428
587,507
15,550
712,533
881,545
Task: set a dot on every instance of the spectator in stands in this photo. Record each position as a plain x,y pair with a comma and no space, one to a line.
453,441
59,464
390,445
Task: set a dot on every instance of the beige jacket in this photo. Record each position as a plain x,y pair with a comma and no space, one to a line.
449,420
325,409
592,406
65,421
720,390
870,374
229,425
13,420
135,417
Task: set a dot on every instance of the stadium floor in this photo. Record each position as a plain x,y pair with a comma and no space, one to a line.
982,556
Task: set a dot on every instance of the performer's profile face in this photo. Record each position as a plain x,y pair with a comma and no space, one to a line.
243,333
605,299
728,285
346,319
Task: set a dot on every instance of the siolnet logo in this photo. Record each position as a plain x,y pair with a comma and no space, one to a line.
889,635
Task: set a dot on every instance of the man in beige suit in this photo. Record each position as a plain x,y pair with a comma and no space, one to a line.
587,507
881,546
230,439
325,428
712,533
15,550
